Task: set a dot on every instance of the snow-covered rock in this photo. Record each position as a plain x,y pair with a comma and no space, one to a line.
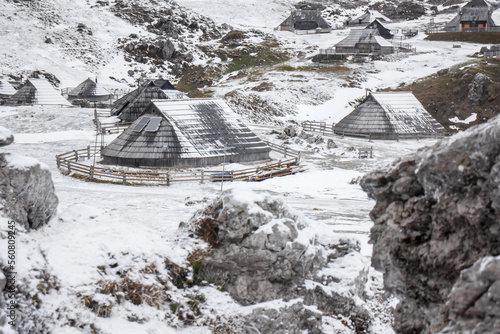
262,251
437,213
473,305
6,136
26,190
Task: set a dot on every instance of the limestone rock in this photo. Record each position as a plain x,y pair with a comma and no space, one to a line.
26,190
6,137
265,320
331,144
259,255
474,300
167,50
436,214
262,251
477,87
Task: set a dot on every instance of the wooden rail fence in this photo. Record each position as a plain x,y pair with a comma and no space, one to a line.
72,163
328,129
321,127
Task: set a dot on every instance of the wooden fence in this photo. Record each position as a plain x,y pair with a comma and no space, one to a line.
328,130
72,163
321,127
104,128
287,152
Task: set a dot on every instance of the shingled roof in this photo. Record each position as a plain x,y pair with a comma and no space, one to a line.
6,89
364,41
90,91
129,107
475,14
186,133
382,30
368,17
305,20
390,115
39,92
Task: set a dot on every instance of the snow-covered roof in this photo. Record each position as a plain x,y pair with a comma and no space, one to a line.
47,94
298,16
366,36
89,90
368,17
6,88
198,131
129,107
388,113
37,92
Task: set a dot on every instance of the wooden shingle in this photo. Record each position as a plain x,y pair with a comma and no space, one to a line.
191,133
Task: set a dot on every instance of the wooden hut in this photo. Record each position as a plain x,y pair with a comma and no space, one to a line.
90,91
381,29
6,89
129,107
169,89
368,17
364,41
391,115
305,20
474,16
37,92
185,133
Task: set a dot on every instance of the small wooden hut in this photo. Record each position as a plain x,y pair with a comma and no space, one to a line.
90,91
6,89
169,89
364,41
185,133
129,107
368,17
305,20
391,115
382,30
37,92
474,16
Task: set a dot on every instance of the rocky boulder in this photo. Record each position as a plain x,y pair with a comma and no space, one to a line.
6,137
477,87
26,190
265,320
257,253
260,251
473,305
436,214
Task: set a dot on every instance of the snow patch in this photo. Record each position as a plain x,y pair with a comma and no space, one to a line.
21,162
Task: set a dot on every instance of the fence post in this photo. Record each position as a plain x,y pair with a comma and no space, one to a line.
202,176
124,179
69,167
58,161
88,151
91,173
76,155
285,151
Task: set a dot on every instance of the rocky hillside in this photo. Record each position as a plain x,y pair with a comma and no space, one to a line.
453,95
436,233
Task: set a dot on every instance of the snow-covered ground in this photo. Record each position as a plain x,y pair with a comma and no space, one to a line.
99,224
